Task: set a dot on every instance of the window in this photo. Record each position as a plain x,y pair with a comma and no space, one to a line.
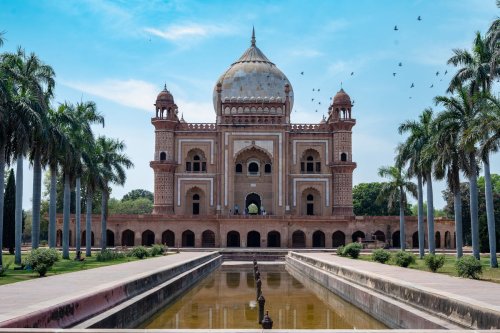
163,156
239,168
253,168
196,204
310,204
267,168
310,162
343,157
196,162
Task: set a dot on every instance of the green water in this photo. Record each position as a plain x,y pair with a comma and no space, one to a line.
226,299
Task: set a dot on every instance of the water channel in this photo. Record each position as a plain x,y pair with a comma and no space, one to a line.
227,299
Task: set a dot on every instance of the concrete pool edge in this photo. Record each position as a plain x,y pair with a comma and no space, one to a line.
456,312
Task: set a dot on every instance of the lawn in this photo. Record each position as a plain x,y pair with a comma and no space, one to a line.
489,274
60,267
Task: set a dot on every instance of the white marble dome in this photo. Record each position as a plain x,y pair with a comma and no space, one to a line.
253,77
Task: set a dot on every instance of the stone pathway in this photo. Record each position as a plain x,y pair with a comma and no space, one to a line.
472,291
32,295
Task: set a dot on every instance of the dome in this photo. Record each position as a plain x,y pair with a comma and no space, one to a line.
342,99
165,96
253,77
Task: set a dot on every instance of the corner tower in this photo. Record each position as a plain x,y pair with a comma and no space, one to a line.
341,123
164,163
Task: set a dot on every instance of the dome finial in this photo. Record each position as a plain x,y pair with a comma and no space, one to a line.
253,36
165,87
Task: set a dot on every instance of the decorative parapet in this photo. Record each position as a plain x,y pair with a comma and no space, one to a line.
196,126
298,128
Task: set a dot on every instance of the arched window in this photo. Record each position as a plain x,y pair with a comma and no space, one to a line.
239,168
196,162
310,204
310,162
267,168
253,168
196,204
163,156
343,157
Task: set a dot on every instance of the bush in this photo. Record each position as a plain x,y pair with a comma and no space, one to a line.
434,262
3,269
140,252
469,267
340,250
107,255
404,259
157,250
380,255
352,250
41,260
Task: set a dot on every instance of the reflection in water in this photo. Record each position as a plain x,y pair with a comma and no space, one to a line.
220,301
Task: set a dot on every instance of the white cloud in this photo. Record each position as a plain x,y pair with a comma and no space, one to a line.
188,31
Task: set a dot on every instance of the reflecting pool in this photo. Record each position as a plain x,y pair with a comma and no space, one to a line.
227,299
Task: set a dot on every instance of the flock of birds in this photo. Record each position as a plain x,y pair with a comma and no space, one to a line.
394,74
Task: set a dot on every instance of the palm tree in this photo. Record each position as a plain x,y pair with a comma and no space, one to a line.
33,81
461,114
87,115
111,164
420,165
395,191
448,162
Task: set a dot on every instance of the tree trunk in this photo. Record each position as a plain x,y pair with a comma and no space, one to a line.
430,215
78,209
421,233
457,206
52,207
104,218
490,215
66,213
88,225
37,197
402,238
19,209
473,207
2,196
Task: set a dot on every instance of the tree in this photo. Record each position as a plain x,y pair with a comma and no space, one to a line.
9,210
420,165
136,206
395,191
138,193
364,199
461,112
112,164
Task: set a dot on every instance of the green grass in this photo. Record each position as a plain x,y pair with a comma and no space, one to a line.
61,267
489,274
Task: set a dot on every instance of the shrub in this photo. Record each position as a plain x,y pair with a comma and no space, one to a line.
157,250
380,255
107,255
140,252
404,259
340,250
41,260
469,267
434,262
4,268
352,250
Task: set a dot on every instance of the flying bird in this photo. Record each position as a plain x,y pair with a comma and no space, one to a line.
400,64
316,110
352,73
409,97
396,28
445,72
432,86
319,103
393,74
353,102
313,89
437,73
330,98
318,89
412,85
419,18
301,73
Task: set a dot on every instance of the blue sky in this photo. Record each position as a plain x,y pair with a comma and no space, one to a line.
120,53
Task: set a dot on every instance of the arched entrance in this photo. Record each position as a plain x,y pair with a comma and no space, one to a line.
208,238
447,240
253,239
188,238
438,240
414,240
318,239
338,239
358,236
379,235
148,238
84,238
110,238
298,239
168,238
128,238
396,242
233,239
253,198
273,239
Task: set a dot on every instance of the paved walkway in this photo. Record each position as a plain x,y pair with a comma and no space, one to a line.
486,294
28,296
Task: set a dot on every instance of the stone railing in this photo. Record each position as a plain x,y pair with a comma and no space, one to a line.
197,126
308,127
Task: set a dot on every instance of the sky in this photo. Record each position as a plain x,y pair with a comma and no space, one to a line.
121,53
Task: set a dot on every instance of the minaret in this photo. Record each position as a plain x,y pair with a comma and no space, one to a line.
341,124
164,163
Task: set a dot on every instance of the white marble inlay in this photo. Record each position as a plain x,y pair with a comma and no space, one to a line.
179,150
211,180
325,142
327,189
